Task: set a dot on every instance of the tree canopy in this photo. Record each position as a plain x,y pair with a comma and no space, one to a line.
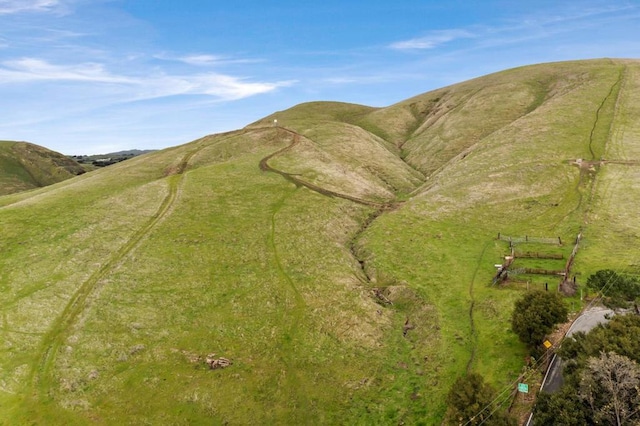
535,315
601,378
610,385
470,402
618,290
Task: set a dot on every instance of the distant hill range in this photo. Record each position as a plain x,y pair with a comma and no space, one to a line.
26,166
102,160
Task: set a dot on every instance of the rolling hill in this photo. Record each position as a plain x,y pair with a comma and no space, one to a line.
341,262
26,166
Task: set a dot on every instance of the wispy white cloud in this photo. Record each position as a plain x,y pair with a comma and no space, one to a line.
577,15
221,86
228,87
362,78
51,34
433,39
341,80
522,29
19,6
32,69
200,59
206,59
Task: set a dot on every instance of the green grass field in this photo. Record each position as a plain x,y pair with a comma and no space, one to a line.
352,287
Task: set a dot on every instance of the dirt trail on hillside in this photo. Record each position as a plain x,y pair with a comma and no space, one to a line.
264,165
40,379
379,208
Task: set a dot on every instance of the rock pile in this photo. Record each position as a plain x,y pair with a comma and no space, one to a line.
215,363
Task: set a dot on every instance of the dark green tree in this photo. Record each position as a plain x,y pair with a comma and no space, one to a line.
535,315
618,290
563,408
603,278
471,402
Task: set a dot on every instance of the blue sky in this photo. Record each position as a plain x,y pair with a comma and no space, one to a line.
95,76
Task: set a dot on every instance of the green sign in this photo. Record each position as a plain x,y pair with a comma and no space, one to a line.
523,387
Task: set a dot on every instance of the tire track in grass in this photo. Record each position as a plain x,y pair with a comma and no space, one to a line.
281,271
291,324
40,379
178,169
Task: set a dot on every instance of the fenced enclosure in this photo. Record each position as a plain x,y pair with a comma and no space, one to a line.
533,265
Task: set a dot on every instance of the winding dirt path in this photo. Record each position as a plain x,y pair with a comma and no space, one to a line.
380,208
40,377
264,165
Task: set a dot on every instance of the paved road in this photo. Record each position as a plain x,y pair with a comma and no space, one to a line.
585,322
589,319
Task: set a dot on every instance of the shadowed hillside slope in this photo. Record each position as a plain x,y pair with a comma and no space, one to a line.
26,166
341,262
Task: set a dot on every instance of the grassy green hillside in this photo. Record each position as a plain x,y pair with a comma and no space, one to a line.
342,261
26,166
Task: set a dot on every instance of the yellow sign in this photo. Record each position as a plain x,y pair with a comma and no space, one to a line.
547,344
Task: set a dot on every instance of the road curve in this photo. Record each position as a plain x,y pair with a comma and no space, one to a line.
589,319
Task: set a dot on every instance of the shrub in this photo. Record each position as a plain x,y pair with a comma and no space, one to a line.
470,402
536,314
617,289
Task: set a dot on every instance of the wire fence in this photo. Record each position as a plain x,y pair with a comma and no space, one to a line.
567,286
530,239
